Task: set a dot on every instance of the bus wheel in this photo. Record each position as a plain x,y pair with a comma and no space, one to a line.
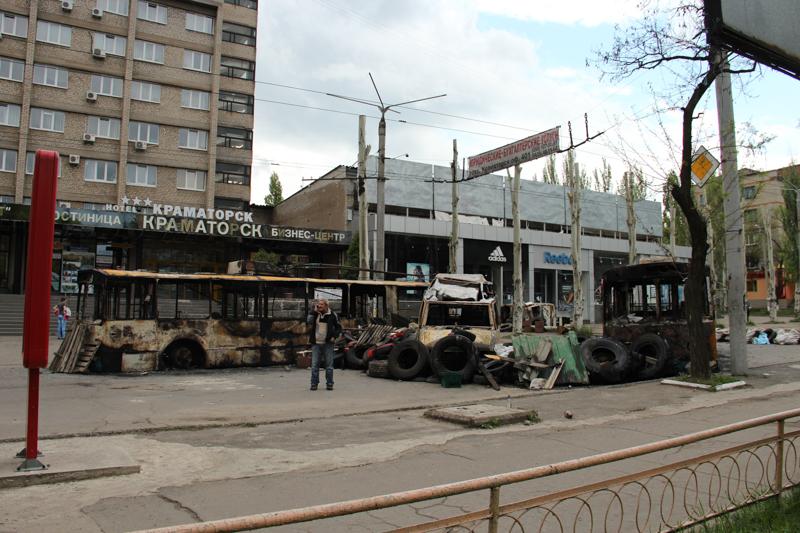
185,356
652,353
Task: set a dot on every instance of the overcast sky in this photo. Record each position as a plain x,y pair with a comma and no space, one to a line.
509,69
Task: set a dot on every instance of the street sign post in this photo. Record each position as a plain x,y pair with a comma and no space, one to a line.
36,329
703,166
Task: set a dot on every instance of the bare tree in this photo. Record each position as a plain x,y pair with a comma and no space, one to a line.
574,181
769,264
602,177
549,172
674,39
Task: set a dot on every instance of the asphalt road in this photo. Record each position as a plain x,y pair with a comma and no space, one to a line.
217,444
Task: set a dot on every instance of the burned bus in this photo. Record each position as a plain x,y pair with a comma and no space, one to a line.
646,299
137,321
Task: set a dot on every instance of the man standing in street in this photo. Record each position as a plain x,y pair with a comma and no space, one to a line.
324,330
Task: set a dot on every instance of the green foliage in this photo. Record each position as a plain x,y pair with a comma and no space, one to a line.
550,173
263,256
769,516
275,195
639,185
350,260
602,177
681,226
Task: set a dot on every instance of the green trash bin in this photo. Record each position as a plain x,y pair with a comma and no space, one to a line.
451,380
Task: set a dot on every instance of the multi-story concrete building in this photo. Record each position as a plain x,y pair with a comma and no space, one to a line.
147,102
762,195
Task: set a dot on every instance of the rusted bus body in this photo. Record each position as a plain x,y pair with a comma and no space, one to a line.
147,321
438,318
649,298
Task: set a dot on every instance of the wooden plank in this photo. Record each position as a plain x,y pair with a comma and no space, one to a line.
551,381
515,361
488,375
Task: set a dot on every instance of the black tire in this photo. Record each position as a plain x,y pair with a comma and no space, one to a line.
607,358
185,356
407,359
378,369
454,353
651,354
354,357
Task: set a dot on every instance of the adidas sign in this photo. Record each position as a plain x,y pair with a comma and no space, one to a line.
497,256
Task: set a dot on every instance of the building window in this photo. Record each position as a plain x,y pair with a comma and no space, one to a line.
192,180
748,193
106,85
250,4
193,60
146,92
107,128
193,139
100,171
199,23
49,75
47,119
30,163
13,25
8,160
9,115
237,68
752,285
237,138
194,99
118,7
235,102
11,69
143,131
232,173
147,51
152,12
142,175
50,32
236,33
111,44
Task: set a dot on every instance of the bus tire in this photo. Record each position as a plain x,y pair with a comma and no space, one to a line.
185,355
607,358
454,353
651,354
355,357
407,359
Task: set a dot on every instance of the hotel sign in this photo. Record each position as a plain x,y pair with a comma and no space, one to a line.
516,153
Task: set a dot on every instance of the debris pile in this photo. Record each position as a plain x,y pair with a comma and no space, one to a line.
764,336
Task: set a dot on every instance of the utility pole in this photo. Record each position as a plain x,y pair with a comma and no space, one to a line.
573,181
516,323
380,261
454,213
363,231
734,237
628,180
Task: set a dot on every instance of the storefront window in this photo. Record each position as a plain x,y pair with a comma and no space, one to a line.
566,293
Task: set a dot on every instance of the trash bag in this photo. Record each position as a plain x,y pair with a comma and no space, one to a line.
787,336
761,338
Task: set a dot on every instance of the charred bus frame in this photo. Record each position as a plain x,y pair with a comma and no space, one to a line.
145,321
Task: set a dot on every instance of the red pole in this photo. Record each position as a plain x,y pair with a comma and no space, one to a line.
32,437
36,330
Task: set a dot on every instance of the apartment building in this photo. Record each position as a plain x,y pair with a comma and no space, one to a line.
149,103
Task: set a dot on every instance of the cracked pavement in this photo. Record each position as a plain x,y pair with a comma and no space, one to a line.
255,440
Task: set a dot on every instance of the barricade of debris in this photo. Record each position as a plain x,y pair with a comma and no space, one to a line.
459,339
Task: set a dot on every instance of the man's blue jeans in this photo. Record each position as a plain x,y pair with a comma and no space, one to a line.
62,326
317,351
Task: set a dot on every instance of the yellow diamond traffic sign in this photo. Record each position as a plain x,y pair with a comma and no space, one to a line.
703,166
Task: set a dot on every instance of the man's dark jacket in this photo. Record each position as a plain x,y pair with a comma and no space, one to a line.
334,327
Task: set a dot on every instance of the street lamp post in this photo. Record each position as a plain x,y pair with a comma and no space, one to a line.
380,266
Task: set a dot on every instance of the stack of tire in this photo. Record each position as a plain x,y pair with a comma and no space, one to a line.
410,359
610,361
